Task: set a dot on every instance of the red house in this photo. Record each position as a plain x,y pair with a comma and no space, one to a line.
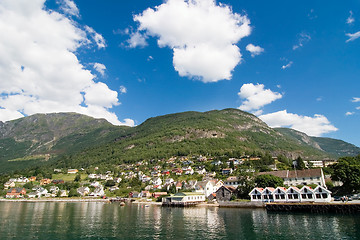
16,193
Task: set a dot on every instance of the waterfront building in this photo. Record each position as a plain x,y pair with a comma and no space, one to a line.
184,198
225,193
280,194
256,194
16,193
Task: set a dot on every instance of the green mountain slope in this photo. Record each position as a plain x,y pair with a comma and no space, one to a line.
32,140
334,147
229,131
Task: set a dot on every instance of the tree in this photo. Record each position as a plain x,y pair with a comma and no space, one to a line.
77,178
268,180
73,193
347,170
300,165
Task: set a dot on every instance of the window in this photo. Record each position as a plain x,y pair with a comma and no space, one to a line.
253,196
309,196
296,196
303,196
290,196
271,197
324,195
277,196
320,190
258,196
265,197
318,195
282,196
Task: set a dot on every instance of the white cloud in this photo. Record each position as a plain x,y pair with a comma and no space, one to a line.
254,50
313,126
358,108
349,113
287,65
39,70
319,99
302,39
123,89
352,36
137,39
150,58
201,33
350,19
100,68
69,7
355,99
256,97
98,38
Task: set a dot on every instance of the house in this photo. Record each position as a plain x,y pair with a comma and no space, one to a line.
256,194
22,180
280,194
188,170
57,170
169,181
177,171
232,181
32,179
184,198
268,194
83,191
293,194
134,194
190,184
227,171
178,185
145,194
158,194
201,171
45,181
225,193
63,193
93,176
33,195
117,179
55,181
98,192
307,194
15,193
9,184
54,189
95,184
322,194
72,171
300,177
157,181
206,187
113,188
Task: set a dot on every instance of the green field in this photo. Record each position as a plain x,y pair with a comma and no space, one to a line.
67,177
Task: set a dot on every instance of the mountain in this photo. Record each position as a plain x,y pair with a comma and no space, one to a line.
229,131
336,148
74,140
34,139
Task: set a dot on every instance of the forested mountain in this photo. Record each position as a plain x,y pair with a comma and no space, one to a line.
74,140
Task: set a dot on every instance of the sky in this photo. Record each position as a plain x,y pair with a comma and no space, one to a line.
291,63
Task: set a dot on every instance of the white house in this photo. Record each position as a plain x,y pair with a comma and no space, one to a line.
280,194
83,191
98,192
185,197
268,194
322,194
293,194
232,181
307,194
206,187
157,181
256,194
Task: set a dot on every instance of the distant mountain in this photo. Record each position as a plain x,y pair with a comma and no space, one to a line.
75,140
334,147
31,140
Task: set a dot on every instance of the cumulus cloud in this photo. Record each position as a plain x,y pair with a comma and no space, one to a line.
350,19
256,96
254,50
201,33
302,39
287,65
137,39
100,68
352,36
39,70
123,89
355,99
98,38
69,7
313,126
349,113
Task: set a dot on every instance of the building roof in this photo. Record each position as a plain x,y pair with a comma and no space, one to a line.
316,172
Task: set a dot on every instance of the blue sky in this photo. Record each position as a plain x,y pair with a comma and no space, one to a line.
293,64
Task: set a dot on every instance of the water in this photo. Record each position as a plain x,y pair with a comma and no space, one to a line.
91,220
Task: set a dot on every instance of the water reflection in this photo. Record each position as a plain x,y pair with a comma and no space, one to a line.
110,221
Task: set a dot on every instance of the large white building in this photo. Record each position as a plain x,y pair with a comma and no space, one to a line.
292,194
300,177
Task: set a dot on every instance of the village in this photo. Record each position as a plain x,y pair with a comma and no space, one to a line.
177,180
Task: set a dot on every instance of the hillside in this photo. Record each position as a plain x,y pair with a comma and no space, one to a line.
74,140
31,140
336,148
229,131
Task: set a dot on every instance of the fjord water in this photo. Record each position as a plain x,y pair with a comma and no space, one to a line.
96,220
